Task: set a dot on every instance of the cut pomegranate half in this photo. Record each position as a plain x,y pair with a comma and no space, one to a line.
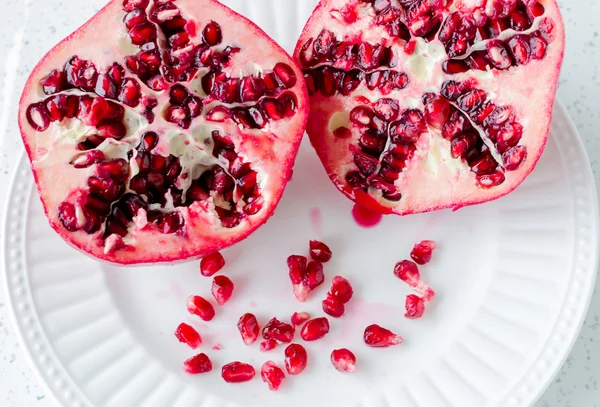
418,105
170,136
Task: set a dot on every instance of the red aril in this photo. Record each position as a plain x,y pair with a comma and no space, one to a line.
415,306
188,335
343,360
377,337
272,375
268,345
296,359
249,329
280,331
197,305
319,251
333,307
237,372
418,105
408,271
197,364
211,264
192,150
305,276
298,318
315,329
422,251
222,289
341,289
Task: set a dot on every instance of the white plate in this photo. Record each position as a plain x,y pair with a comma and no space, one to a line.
514,279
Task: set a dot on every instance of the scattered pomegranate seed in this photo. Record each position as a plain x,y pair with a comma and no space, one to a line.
332,306
222,289
343,360
299,318
415,306
315,329
188,335
237,372
422,251
268,345
248,326
272,375
378,337
211,264
341,289
197,305
320,251
305,277
197,364
408,272
280,331
296,359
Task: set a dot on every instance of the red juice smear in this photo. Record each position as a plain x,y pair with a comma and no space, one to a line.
364,217
316,221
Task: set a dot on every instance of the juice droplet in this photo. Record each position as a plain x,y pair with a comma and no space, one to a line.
316,221
364,217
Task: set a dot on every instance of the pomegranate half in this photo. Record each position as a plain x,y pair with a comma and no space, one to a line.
162,130
419,105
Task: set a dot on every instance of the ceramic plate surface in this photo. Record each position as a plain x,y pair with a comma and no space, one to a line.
514,279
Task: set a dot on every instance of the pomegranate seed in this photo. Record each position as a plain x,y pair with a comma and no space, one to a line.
296,359
222,289
299,318
415,306
54,82
197,305
343,360
188,335
272,375
268,345
212,34
37,116
315,329
211,264
197,364
513,157
320,251
285,74
378,337
237,372
341,289
248,326
280,331
314,275
408,272
421,252
88,159
68,216
297,268
342,132
332,306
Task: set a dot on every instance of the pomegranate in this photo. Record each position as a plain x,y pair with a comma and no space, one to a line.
298,318
419,105
272,375
408,272
315,329
341,289
296,359
188,335
415,306
376,336
319,251
211,264
249,329
237,372
155,134
333,307
197,364
343,360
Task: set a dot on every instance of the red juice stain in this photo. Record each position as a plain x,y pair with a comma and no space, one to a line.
316,221
364,217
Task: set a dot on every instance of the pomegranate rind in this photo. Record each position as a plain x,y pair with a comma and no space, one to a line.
530,89
203,234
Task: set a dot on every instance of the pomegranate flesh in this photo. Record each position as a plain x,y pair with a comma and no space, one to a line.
343,360
296,359
197,364
162,131
279,331
315,329
376,336
188,335
272,375
249,329
305,276
418,105
211,264
237,372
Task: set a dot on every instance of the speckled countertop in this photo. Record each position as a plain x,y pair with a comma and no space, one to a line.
31,27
